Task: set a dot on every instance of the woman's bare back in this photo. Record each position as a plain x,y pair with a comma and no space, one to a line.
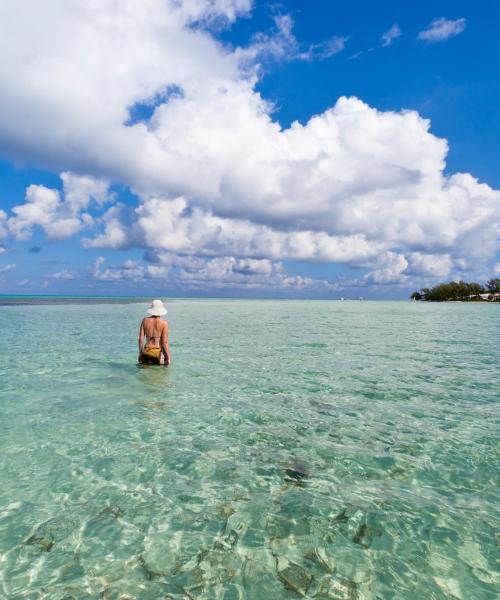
154,329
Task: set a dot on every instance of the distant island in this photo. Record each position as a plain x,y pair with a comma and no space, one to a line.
461,291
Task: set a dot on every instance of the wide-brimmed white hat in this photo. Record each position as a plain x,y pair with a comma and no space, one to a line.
157,309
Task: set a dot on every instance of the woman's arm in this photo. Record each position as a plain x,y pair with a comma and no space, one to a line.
164,344
141,339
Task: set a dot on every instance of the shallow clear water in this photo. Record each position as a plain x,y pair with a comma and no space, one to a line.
344,450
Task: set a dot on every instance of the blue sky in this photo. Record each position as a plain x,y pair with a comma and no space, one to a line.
185,176
453,83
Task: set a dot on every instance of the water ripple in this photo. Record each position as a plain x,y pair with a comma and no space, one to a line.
351,453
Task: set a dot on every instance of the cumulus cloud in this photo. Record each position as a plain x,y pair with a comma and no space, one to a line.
58,217
172,225
210,12
216,176
131,269
80,190
64,274
197,273
7,268
229,272
3,225
390,35
349,184
442,29
40,209
114,235
429,265
389,268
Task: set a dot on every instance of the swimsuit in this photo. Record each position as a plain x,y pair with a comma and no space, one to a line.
153,354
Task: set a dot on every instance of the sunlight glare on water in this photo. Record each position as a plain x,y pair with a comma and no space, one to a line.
344,450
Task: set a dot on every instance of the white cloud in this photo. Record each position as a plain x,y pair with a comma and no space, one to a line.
229,272
390,35
215,174
349,184
429,265
195,273
80,190
59,218
7,268
325,49
115,234
40,209
441,29
496,268
208,12
157,271
173,225
3,227
281,45
389,268
72,72
131,269
64,274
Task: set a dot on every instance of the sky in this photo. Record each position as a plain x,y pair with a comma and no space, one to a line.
248,149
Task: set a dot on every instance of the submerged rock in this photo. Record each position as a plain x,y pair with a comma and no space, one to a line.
44,543
293,576
297,474
56,529
365,534
226,542
192,583
112,510
343,516
150,572
75,593
336,588
322,558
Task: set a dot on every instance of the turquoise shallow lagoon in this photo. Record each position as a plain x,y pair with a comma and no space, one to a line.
344,450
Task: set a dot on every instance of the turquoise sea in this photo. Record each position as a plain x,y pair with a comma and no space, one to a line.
317,449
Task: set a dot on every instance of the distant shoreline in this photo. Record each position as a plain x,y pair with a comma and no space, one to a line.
471,301
461,291
458,301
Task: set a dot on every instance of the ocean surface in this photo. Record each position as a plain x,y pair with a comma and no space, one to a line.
318,449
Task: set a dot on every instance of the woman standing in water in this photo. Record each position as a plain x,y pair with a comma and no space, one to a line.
154,332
